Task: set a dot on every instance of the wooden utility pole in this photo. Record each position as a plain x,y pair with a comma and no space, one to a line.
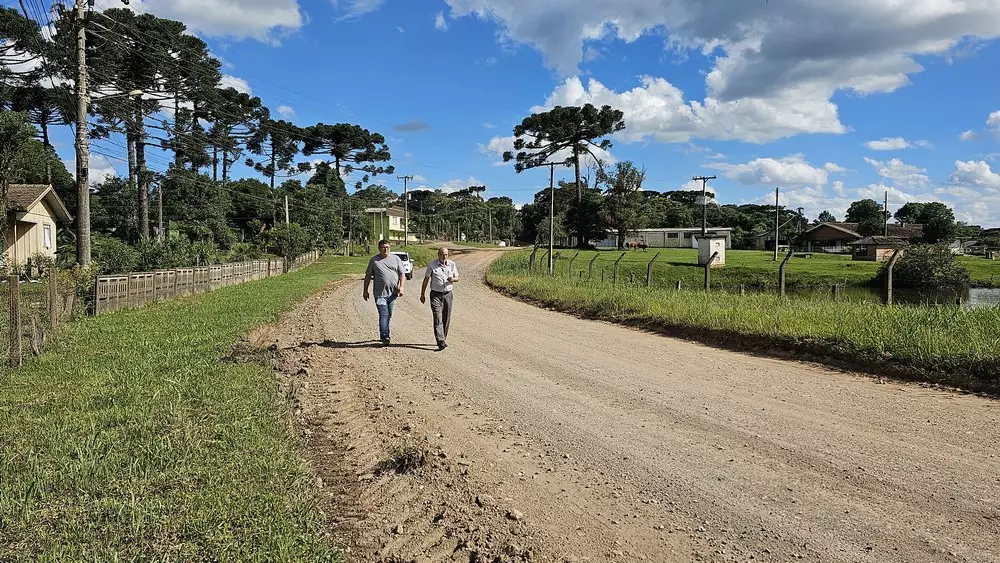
82,138
704,201
885,215
406,208
777,219
286,212
159,210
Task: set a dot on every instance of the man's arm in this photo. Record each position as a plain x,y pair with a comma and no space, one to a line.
402,276
423,289
368,281
454,273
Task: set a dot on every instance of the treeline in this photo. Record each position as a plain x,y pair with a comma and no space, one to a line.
614,202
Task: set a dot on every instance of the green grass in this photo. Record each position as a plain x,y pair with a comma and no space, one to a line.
133,438
751,268
943,344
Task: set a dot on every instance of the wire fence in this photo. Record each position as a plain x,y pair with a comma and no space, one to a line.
32,311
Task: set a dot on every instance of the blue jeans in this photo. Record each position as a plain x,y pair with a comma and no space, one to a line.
384,305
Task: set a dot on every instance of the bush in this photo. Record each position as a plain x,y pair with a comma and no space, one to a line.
114,256
244,252
289,240
927,266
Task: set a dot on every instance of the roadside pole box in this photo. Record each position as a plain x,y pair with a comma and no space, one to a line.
708,245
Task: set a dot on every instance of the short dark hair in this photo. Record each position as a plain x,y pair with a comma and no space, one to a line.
383,242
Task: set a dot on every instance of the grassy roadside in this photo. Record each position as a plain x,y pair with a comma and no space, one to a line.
132,438
754,269
937,344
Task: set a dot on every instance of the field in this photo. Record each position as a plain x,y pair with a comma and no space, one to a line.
754,269
138,437
959,347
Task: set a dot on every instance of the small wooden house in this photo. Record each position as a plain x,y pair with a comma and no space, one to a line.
876,248
34,211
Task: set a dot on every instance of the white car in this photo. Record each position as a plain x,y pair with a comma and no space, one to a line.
407,263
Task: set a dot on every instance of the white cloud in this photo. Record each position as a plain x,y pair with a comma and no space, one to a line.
969,135
975,174
100,168
889,144
498,145
488,125
440,23
400,29
240,85
993,122
789,171
902,174
657,109
418,178
775,67
451,185
286,111
834,168
357,8
896,144
263,20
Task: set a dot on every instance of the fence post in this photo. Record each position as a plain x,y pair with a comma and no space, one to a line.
590,267
570,272
13,285
531,259
835,292
616,266
649,270
602,274
53,299
781,273
887,299
678,287
743,289
708,270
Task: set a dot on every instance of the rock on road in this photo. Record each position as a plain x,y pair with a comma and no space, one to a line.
609,442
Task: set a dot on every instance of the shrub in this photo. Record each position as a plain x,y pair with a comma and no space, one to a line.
114,256
927,266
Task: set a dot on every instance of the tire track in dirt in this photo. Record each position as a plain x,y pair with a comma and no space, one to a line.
612,443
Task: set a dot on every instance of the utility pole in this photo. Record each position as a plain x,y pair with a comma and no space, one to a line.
406,209
552,210
885,216
704,201
286,210
777,219
159,210
82,139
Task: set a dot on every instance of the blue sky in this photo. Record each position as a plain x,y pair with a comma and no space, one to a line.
831,102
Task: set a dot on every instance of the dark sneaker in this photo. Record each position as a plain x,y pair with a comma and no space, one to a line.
385,341
442,345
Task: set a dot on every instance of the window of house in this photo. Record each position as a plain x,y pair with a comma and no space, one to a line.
671,235
47,236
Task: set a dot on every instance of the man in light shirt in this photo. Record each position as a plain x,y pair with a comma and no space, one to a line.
441,276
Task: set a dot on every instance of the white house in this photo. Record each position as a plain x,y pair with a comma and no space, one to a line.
666,238
34,211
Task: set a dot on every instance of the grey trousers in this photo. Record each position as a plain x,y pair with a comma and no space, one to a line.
441,309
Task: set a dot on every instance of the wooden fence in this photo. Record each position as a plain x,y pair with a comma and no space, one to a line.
128,291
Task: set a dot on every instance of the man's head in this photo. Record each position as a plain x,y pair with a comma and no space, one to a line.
443,254
383,247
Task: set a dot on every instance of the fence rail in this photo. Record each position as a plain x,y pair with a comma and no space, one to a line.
137,289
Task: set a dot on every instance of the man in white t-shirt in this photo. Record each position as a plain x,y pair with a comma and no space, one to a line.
441,275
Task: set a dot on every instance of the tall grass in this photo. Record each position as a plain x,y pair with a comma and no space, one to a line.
945,344
133,439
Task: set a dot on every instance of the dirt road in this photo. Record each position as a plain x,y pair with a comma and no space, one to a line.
557,439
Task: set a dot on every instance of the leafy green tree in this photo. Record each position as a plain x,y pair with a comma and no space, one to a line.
197,205
826,217
539,137
622,202
939,222
235,118
909,212
112,210
289,240
326,177
865,210
352,148
250,200
276,142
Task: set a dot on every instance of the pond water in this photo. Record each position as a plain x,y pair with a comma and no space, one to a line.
971,298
